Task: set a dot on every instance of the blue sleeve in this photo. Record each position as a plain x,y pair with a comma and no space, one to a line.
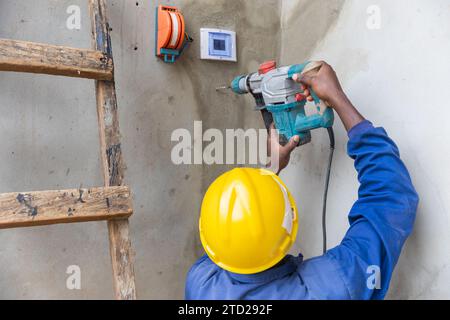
380,220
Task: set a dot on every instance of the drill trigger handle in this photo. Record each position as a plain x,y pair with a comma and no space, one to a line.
325,116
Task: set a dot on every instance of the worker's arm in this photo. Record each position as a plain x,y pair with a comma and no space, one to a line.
383,216
381,219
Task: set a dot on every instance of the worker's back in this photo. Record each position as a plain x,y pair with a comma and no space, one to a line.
290,280
361,266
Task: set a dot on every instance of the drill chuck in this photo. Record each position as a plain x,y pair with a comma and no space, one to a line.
239,85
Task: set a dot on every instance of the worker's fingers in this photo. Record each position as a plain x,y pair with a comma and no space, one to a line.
305,79
306,91
306,82
292,144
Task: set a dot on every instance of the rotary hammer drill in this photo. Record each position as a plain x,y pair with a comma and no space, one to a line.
281,100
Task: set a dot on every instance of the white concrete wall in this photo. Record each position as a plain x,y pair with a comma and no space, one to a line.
399,78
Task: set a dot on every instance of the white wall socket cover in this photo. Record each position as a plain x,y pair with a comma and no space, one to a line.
218,44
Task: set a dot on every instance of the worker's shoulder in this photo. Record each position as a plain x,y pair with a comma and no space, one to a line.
323,277
203,261
201,268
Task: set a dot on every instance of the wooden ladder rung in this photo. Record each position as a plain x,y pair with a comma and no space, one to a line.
23,56
28,209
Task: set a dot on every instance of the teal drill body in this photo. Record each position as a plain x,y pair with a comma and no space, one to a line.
282,101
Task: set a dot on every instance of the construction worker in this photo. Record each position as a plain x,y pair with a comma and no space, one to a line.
249,222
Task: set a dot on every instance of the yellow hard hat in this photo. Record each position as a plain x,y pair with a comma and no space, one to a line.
248,220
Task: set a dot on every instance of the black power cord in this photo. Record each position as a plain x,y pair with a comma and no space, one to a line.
325,193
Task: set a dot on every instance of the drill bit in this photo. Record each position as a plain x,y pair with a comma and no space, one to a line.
223,88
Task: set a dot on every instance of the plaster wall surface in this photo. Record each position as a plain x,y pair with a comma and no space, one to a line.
398,77
49,140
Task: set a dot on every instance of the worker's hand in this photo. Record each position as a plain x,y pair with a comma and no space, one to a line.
279,155
324,82
326,85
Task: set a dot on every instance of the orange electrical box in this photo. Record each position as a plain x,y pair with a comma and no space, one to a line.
171,36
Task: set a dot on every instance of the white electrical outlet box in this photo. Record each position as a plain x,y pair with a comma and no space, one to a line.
217,44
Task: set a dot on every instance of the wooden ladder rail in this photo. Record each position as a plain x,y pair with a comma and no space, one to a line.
111,151
111,202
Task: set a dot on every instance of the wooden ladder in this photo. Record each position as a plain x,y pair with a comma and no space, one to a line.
113,201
